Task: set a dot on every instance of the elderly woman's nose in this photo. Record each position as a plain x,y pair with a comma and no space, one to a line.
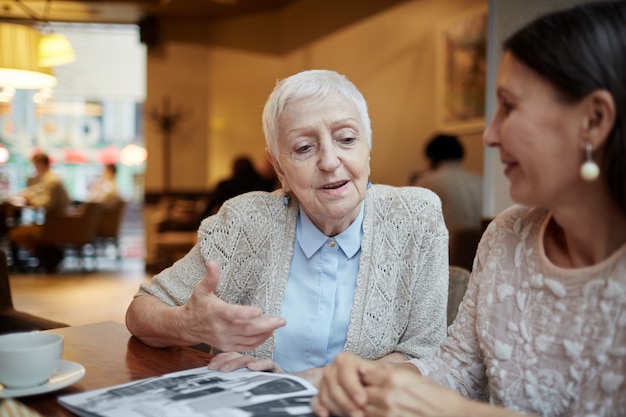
329,157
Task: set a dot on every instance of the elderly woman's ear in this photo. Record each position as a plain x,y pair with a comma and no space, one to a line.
278,169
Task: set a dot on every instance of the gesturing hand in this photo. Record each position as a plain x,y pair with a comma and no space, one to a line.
228,327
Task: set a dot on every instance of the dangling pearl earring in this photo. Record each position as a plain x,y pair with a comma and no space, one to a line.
589,171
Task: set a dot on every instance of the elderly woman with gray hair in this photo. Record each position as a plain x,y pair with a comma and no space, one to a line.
285,281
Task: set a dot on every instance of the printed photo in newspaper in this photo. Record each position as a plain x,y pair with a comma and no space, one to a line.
199,392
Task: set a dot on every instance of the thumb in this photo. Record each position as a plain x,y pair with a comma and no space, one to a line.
212,278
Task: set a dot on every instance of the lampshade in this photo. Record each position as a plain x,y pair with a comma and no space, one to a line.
19,58
55,49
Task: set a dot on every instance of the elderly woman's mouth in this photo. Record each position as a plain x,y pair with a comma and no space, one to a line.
334,185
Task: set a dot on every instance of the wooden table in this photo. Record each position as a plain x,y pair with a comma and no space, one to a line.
112,356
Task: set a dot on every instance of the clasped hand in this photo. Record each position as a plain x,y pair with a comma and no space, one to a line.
227,327
355,387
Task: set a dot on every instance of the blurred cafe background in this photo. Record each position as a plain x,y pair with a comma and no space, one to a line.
171,91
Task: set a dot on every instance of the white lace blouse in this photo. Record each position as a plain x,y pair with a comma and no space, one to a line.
534,337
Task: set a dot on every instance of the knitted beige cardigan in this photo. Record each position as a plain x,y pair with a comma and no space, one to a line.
402,285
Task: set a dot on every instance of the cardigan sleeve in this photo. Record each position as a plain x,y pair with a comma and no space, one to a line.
175,284
426,327
250,238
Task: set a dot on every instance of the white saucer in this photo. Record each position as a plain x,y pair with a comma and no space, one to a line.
67,374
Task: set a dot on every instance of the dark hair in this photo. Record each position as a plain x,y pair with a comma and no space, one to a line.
442,147
579,50
243,167
42,158
112,168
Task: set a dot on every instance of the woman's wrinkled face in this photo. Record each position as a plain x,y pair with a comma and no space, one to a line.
324,159
538,134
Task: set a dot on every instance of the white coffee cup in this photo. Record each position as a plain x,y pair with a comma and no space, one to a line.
29,359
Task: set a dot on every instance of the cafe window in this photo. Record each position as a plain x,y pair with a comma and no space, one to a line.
95,111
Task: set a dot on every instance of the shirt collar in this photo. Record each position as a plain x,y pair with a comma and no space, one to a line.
311,239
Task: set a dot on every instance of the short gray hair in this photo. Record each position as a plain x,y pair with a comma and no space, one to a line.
310,83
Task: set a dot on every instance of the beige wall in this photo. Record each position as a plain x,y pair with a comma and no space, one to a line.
178,73
239,83
390,57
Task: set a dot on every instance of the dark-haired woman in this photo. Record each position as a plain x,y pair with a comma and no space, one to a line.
542,328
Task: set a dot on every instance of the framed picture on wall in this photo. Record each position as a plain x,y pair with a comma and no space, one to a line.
461,72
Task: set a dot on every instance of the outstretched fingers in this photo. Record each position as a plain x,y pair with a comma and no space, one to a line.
228,327
243,328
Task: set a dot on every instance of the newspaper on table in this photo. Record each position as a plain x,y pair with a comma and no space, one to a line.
199,392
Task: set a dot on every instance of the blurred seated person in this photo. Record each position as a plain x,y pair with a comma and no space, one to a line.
104,189
182,215
460,190
284,281
413,177
268,174
244,178
46,191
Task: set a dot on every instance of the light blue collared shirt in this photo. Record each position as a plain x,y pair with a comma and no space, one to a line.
318,296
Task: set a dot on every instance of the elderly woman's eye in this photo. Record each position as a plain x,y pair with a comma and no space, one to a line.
347,140
303,149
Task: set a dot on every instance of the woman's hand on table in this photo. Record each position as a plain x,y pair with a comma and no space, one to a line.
341,391
393,390
228,327
390,390
352,386
230,361
400,390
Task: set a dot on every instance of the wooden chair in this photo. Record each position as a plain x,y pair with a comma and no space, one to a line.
108,228
457,286
73,230
12,320
172,246
463,245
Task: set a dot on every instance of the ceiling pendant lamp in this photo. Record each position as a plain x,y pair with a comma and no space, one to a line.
55,49
19,59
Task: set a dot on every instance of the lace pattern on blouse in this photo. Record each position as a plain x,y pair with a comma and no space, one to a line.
539,338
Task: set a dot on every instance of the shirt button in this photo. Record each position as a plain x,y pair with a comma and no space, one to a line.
331,243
